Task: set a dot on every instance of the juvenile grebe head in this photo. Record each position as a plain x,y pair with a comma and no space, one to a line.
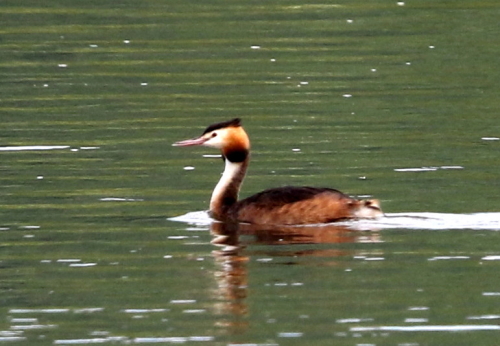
227,136
367,209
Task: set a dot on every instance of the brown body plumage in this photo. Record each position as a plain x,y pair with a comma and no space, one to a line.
277,206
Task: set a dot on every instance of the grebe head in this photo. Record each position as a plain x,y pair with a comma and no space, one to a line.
368,209
227,136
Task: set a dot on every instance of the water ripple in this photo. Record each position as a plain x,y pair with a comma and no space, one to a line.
423,221
435,328
33,147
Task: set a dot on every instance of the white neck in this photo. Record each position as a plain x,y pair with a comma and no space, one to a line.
227,188
231,170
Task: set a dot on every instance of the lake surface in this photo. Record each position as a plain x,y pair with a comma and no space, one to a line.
396,100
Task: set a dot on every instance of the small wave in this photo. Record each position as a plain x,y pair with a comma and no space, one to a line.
119,199
33,147
415,221
198,218
433,221
427,328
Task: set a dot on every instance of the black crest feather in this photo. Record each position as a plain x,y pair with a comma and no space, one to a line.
231,123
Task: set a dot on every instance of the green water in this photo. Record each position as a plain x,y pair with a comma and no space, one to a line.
339,94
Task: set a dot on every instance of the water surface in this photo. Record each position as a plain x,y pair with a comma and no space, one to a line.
396,100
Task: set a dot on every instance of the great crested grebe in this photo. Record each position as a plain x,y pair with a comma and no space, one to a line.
278,206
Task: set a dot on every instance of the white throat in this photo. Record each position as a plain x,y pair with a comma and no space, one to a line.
231,171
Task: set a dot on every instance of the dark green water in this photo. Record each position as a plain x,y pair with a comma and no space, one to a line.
341,94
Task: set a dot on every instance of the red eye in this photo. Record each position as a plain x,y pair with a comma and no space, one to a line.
214,134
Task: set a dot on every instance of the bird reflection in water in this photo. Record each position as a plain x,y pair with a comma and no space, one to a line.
231,277
232,256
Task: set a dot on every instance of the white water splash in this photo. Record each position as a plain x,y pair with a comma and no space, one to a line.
198,218
414,221
433,221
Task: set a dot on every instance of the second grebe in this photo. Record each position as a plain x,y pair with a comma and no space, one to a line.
278,206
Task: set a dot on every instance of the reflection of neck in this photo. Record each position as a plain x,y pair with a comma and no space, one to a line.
231,275
226,192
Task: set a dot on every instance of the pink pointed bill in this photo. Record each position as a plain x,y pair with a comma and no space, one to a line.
190,142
